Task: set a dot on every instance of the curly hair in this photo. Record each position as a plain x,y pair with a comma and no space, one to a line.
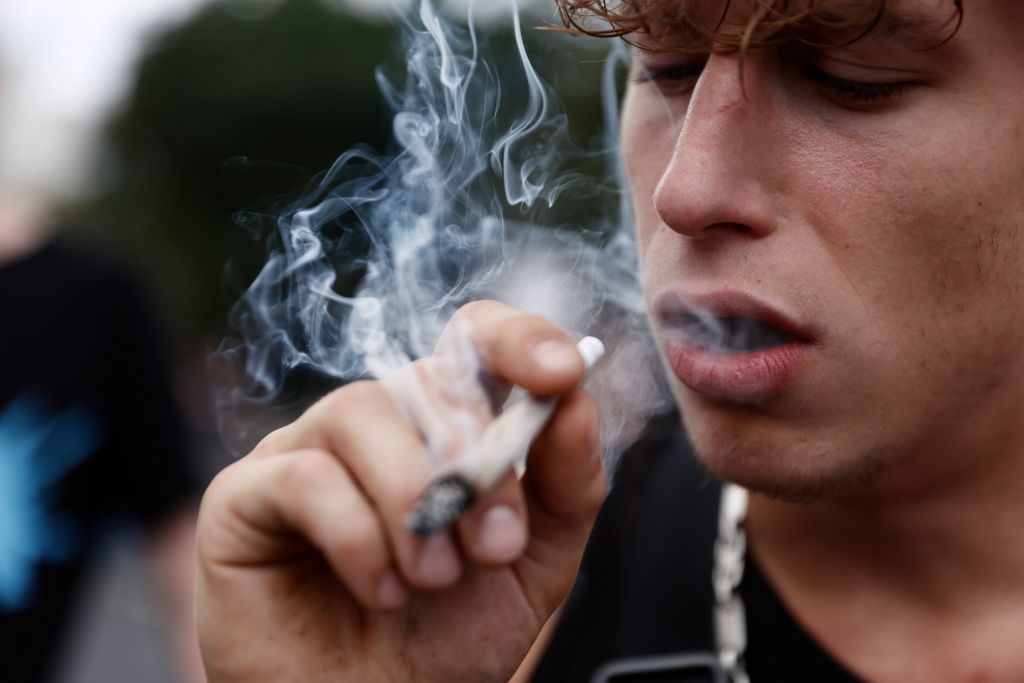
702,25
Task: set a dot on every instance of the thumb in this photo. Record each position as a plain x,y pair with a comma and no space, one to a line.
564,485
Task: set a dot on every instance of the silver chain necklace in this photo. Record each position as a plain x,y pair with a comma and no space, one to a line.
729,612
730,559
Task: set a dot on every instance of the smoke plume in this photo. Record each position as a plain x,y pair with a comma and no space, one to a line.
469,205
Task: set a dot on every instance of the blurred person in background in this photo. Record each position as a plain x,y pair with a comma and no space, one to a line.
91,441
87,382
205,83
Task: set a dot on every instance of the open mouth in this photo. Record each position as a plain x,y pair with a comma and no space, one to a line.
731,347
732,334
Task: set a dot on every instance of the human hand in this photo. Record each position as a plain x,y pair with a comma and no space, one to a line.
308,573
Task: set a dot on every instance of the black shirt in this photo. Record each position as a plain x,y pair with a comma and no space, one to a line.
645,584
89,434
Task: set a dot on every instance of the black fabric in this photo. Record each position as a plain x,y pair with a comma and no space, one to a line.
77,342
645,584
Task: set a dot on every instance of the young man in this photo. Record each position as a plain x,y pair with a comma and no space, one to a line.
840,178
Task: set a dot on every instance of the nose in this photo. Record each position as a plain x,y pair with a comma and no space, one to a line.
717,179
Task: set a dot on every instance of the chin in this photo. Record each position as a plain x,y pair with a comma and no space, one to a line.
783,463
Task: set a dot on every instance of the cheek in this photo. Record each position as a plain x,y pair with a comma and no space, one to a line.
647,139
926,232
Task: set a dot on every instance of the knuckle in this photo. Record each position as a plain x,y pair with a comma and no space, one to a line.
356,401
304,470
476,310
213,499
359,390
218,500
220,486
366,405
274,442
360,535
349,397
343,412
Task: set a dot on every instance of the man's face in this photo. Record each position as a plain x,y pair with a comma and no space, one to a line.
866,204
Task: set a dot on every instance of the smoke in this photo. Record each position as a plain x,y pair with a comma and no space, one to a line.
481,198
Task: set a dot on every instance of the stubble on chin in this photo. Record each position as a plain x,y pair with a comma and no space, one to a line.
794,470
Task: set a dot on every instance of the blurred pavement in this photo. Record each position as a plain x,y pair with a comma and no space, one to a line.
117,634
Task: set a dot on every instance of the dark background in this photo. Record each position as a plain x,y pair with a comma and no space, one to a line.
234,111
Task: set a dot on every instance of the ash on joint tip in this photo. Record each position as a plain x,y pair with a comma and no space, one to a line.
442,503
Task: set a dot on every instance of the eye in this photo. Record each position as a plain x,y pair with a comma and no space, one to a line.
671,79
858,93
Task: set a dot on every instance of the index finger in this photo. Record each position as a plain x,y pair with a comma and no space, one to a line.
520,348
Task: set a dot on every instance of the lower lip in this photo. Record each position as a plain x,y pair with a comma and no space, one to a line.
747,377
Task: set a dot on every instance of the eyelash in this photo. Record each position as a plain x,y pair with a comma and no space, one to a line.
854,92
859,92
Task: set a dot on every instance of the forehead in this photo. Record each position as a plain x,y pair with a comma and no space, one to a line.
918,24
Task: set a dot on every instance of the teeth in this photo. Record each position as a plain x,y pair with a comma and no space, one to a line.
732,334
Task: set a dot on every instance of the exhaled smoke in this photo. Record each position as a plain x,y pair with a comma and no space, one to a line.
463,210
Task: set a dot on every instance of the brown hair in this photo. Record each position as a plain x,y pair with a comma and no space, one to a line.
813,22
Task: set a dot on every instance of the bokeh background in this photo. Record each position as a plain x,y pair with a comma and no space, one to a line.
140,127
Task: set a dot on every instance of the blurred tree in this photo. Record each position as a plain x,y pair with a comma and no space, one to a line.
239,110
229,112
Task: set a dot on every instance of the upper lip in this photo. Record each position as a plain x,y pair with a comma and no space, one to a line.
671,306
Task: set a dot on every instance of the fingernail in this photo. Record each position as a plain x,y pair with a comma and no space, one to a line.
438,563
502,535
556,355
391,594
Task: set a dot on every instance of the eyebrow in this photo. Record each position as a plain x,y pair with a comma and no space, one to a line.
916,29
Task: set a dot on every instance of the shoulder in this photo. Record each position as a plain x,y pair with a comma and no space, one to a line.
62,276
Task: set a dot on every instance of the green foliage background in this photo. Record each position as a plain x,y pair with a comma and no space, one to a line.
232,113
